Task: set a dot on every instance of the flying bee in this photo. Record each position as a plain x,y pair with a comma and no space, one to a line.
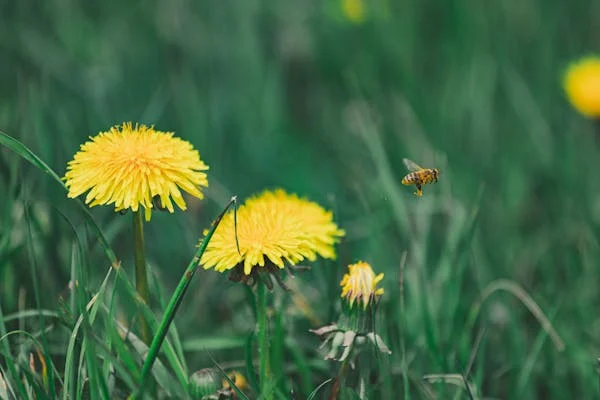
419,176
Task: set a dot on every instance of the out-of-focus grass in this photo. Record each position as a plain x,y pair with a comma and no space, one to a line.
292,94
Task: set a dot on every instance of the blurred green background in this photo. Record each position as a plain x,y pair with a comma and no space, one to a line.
305,96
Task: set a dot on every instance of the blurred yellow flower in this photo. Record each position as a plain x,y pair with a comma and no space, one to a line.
127,166
582,85
353,10
360,284
272,228
238,380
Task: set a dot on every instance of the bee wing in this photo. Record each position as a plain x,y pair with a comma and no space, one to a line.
411,166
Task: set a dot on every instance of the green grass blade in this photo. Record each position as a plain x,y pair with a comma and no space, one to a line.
250,370
36,294
318,388
214,343
25,371
97,383
123,352
240,394
23,314
147,313
173,332
530,360
301,363
163,377
6,390
21,150
178,295
14,376
123,372
92,308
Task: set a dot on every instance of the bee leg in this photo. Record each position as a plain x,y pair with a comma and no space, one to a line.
419,191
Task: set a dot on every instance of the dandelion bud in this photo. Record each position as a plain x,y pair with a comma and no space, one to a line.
360,285
204,383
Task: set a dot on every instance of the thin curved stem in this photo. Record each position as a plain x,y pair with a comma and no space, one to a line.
175,301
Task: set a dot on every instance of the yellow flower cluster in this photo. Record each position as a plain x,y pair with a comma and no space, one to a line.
582,85
274,227
353,10
127,166
360,284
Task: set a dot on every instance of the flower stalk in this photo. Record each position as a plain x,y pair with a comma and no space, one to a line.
175,301
141,273
355,329
263,340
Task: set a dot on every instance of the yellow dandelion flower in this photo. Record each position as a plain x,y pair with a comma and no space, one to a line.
238,380
360,284
127,166
353,10
582,85
273,228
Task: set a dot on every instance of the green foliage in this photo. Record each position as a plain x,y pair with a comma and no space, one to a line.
291,94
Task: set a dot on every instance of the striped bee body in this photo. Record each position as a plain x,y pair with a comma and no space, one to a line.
419,176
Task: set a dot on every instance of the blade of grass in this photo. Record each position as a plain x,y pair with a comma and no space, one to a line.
250,370
301,363
169,351
124,373
36,293
318,388
123,353
227,378
529,362
35,384
23,314
177,297
80,383
14,376
91,307
162,376
453,379
98,385
214,343
24,152
112,339
276,339
6,391
404,324
528,302
38,344
173,332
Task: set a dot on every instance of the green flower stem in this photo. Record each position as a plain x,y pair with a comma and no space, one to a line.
263,341
175,301
141,274
339,381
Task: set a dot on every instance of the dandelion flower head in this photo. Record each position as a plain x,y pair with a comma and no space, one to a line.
582,85
129,165
273,228
360,284
353,10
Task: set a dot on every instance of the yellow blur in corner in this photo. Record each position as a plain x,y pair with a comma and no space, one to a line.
353,10
582,85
